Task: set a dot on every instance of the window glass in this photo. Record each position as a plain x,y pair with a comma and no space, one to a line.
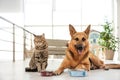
58,14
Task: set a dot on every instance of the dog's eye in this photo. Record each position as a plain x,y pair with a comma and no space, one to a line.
76,39
83,39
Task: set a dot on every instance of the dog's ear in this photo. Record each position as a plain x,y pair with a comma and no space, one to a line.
72,30
87,31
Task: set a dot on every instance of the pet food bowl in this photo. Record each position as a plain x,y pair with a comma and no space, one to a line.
77,73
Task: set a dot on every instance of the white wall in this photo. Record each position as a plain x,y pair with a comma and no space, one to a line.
11,5
13,10
118,21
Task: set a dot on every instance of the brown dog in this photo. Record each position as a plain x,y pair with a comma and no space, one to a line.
78,55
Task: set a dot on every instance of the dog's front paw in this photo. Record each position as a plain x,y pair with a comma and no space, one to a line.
57,72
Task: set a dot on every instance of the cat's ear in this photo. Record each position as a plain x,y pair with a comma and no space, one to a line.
43,35
34,35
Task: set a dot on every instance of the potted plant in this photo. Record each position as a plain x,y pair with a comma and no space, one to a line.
108,40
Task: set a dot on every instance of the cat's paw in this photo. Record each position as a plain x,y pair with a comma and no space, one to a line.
39,70
28,69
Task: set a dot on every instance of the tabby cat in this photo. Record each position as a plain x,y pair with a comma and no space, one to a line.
39,59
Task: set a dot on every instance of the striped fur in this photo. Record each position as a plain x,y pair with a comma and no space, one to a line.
40,55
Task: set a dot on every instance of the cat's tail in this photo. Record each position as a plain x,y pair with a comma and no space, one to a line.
113,66
28,69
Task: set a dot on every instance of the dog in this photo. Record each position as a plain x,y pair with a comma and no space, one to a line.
78,55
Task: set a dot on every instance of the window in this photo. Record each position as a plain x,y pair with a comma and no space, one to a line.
52,17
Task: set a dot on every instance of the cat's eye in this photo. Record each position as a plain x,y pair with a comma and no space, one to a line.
83,39
76,39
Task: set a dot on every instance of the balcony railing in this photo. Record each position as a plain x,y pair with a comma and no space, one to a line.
14,40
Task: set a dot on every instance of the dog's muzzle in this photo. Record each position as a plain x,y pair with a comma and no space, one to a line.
79,48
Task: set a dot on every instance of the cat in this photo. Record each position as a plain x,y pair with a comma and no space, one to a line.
39,58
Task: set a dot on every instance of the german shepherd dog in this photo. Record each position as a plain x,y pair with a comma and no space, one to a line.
78,55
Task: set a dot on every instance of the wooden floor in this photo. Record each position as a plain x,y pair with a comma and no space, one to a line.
16,71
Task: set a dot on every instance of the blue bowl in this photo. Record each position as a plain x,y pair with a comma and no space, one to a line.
78,73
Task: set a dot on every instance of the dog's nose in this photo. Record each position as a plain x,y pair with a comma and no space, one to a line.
79,47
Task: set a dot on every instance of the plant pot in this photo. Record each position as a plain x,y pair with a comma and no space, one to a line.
109,54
